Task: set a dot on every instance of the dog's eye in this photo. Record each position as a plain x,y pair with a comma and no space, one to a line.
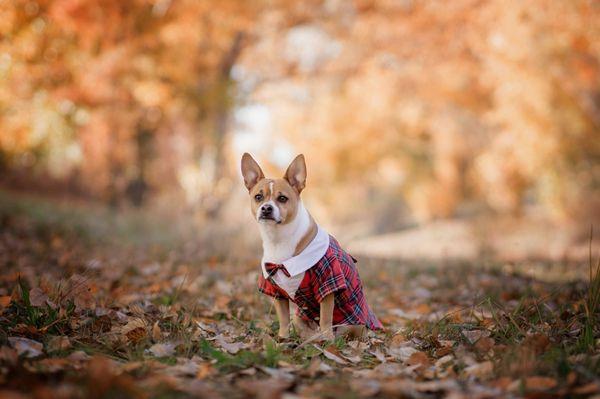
258,197
282,198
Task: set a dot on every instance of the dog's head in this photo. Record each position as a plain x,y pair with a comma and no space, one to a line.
274,200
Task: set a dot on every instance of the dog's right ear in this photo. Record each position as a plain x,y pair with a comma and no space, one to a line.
251,171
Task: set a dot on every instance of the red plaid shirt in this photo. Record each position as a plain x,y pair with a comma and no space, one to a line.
334,273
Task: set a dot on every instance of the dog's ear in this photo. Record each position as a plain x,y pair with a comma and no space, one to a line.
296,173
251,171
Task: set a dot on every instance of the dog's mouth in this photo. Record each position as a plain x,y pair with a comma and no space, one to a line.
267,218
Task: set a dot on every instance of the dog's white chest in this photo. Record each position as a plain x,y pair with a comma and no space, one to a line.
288,284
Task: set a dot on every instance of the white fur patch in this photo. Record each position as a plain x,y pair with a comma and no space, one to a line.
288,284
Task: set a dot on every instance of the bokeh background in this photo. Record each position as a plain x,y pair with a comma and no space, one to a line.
432,129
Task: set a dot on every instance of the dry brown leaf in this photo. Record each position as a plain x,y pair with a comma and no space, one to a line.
5,301
156,333
475,335
78,356
271,388
26,347
332,353
423,309
418,359
480,370
353,358
402,353
49,365
8,355
231,347
484,345
587,389
538,342
365,387
502,383
444,362
538,383
397,340
37,297
206,370
379,355
60,343
162,350
80,292
136,335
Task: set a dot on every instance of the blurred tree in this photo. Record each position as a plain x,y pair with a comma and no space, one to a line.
444,104
441,104
116,75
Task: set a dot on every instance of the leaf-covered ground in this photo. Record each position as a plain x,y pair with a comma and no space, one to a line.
89,317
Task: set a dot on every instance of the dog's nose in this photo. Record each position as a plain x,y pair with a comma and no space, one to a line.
266,209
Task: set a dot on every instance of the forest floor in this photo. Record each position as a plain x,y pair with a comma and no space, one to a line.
86,312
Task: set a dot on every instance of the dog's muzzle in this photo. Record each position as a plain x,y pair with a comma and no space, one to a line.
268,212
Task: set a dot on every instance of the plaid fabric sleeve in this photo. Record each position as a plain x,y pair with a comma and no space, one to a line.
268,288
330,278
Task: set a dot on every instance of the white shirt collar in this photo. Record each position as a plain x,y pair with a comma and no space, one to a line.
308,257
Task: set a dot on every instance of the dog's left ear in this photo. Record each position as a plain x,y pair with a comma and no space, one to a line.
296,173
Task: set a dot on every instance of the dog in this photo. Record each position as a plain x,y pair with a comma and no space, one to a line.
303,267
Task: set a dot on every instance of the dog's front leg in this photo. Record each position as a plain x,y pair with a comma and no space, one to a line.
282,308
326,317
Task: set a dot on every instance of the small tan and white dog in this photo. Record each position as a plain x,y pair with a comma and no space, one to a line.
303,267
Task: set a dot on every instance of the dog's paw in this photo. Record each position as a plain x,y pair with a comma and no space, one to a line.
326,335
283,334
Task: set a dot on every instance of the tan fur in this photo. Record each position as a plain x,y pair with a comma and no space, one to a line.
280,187
308,237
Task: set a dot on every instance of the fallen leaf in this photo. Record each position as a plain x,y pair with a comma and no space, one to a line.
538,383
423,309
379,355
484,345
156,333
184,368
37,297
26,347
502,383
443,362
271,388
365,387
136,335
397,340
231,347
353,358
162,350
475,335
332,353
78,356
402,353
60,343
480,370
49,365
538,342
80,292
206,370
4,301
8,355
418,359
587,389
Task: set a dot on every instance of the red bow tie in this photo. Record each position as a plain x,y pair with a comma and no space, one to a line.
272,268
